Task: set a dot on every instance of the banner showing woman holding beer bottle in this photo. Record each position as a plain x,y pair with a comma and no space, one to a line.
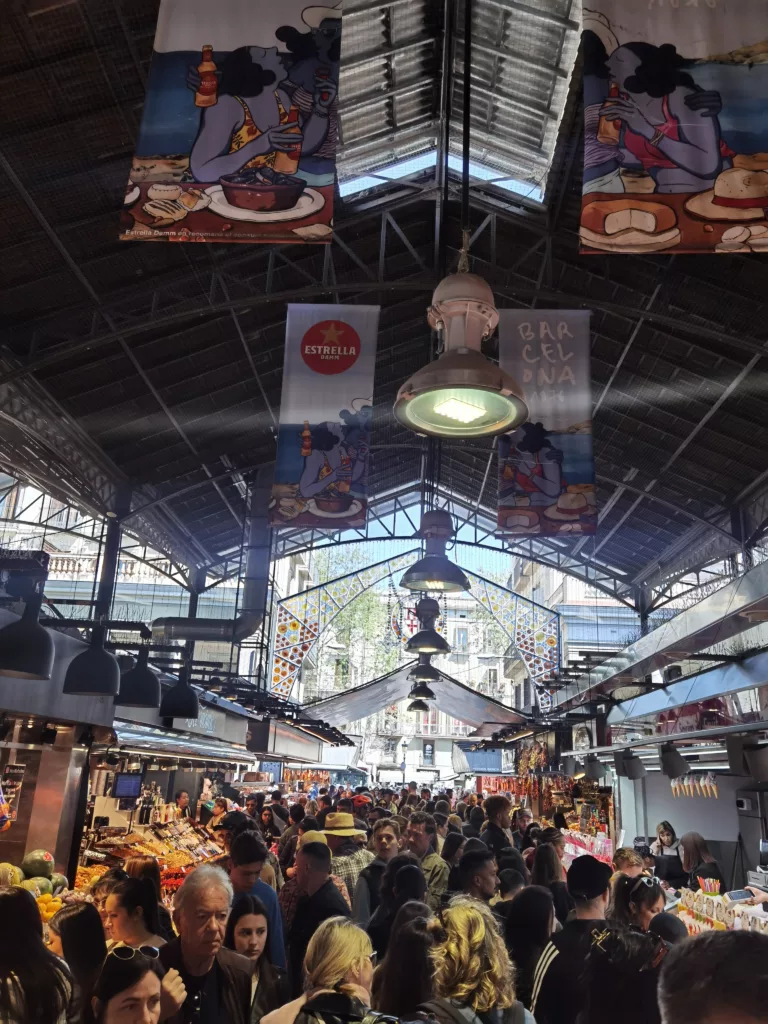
256,125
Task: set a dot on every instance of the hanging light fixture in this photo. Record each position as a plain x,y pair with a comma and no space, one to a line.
673,764
420,691
424,672
95,672
139,686
181,701
462,393
26,647
418,705
435,571
594,769
427,640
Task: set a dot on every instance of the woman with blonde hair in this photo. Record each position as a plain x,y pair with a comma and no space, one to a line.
338,973
473,978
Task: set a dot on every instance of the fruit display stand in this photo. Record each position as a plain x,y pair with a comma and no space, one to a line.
178,846
36,875
577,844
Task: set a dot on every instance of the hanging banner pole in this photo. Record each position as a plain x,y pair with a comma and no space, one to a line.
546,471
238,134
675,133
323,451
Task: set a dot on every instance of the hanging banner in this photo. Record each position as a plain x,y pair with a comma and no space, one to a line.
546,473
321,469
676,137
238,136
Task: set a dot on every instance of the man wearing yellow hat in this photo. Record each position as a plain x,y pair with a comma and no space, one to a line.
348,858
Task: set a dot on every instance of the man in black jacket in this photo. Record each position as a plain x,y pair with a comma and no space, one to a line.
558,992
218,981
320,901
497,836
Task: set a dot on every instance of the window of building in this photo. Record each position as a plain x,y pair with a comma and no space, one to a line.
429,753
341,672
461,638
493,677
390,748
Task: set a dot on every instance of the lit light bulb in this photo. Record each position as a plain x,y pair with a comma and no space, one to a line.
434,584
459,410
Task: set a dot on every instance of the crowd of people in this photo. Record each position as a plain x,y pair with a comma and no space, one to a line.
408,906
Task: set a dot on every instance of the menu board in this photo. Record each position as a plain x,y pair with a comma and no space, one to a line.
10,783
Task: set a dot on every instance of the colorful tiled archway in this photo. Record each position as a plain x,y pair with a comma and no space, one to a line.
533,629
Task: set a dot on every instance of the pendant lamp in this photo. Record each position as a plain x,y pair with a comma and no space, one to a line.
462,393
435,571
95,672
139,686
424,672
420,691
26,647
594,769
427,640
673,764
418,705
181,700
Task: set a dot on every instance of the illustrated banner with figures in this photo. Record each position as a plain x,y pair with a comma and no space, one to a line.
321,469
546,473
238,136
676,137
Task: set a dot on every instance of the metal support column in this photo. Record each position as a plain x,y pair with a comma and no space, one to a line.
197,579
111,554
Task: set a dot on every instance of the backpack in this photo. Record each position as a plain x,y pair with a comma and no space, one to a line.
515,1014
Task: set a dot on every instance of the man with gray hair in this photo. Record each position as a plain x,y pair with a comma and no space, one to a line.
218,981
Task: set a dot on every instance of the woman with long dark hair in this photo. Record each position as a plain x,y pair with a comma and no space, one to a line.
268,827
621,977
393,893
127,989
404,978
35,986
698,862
248,934
76,934
530,921
148,867
132,918
452,847
547,871
635,901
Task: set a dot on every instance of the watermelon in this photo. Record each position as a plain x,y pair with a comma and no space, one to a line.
10,874
43,884
59,881
30,884
37,864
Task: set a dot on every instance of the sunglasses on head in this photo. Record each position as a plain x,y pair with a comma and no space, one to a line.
129,952
649,883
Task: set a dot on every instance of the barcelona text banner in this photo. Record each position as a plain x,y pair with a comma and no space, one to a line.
546,472
676,136
238,135
321,470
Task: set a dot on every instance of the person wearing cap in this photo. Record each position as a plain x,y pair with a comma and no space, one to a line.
557,996
347,858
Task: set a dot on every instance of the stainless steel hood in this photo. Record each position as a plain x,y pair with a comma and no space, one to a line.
146,739
736,607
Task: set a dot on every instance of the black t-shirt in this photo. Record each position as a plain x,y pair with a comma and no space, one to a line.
203,1004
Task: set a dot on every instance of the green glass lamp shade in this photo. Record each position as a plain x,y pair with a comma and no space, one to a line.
435,572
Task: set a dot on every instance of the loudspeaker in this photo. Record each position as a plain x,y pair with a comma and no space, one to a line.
757,762
734,745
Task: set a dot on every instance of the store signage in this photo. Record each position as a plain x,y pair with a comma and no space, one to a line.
321,470
546,472
676,140
10,787
238,135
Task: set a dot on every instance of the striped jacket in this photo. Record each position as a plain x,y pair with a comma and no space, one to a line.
558,993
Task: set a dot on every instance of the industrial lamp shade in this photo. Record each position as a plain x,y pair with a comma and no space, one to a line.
435,572
634,767
420,691
424,672
418,705
619,759
461,394
139,686
673,764
593,769
427,641
95,672
26,647
181,701
569,765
